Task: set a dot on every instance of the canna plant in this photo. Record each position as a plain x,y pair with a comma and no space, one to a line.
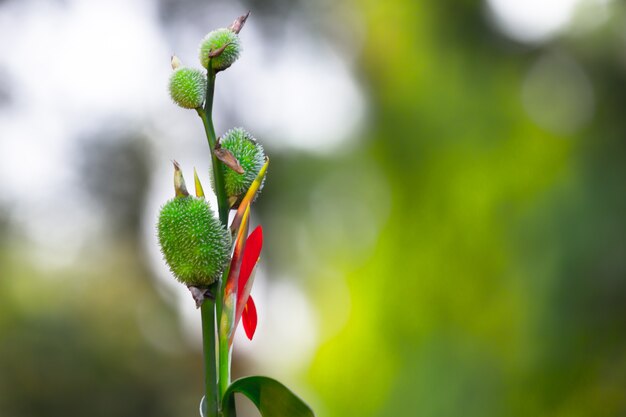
215,260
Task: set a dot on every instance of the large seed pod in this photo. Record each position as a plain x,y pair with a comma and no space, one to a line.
251,157
194,243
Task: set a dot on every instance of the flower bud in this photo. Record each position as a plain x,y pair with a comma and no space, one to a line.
175,62
188,87
195,244
251,157
216,40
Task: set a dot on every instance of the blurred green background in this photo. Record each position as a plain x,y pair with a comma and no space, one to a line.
445,212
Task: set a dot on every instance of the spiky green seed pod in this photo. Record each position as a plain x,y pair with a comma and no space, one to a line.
215,40
194,243
188,87
251,157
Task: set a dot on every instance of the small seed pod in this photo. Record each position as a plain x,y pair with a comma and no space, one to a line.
194,243
213,42
188,87
251,157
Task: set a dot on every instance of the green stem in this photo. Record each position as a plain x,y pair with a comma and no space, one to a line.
218,170
208,346
224,366
219,384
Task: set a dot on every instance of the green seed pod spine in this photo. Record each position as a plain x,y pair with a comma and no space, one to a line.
251,157
188,87
195,245
215,40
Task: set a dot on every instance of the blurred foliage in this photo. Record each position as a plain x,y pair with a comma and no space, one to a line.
483,256
114,170
94,341
496,284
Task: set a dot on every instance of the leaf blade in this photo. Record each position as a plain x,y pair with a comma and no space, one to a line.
271,398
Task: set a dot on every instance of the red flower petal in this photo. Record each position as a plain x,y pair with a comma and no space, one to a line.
250,256
249,318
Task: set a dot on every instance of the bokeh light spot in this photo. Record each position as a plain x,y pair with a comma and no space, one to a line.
557,94
533,21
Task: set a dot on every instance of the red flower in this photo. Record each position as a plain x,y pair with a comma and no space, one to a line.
237,302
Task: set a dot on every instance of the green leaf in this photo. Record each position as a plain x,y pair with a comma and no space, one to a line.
272,398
